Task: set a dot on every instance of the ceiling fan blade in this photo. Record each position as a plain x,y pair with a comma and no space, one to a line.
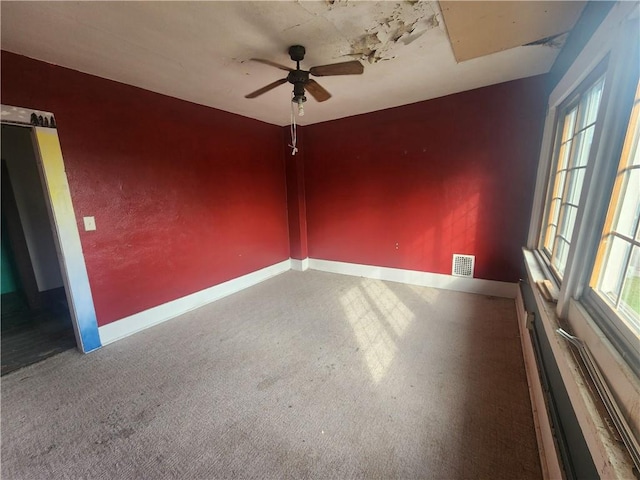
317,91
273,64
354,67
265,89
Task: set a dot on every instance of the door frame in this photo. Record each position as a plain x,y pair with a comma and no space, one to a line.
62,218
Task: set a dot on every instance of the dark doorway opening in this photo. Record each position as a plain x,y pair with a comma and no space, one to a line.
36,323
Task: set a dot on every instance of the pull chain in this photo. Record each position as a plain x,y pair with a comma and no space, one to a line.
294,131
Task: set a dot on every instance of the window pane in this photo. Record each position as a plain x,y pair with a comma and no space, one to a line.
559,260
569,124
582,147
553,223
558,186
635,155
567,221
630,301
563,156
627,217
576,179
555,211
589,104
614,262
550,238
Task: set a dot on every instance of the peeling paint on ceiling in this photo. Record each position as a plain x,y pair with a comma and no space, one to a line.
391,24
408,22
200,51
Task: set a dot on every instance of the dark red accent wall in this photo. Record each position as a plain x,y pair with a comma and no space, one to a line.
185,197
410,186
296,197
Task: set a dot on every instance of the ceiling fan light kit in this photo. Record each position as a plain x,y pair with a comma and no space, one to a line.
299,78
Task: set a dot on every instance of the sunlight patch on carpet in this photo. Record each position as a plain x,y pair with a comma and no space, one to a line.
378,319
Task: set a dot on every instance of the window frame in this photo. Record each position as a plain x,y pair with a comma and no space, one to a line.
564,108
606,317
616,43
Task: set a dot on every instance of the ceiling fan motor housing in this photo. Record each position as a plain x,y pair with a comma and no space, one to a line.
299,79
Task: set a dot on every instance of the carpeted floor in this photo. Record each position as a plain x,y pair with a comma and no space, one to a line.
307,375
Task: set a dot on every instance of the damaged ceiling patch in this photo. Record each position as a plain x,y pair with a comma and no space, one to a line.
366,47
477,29
554,41
406,23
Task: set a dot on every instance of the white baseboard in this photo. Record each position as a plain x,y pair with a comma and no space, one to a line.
414,277
153,316
300,265
140,321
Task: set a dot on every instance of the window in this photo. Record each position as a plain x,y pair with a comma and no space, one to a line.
573,144
598,265
616,273
585,222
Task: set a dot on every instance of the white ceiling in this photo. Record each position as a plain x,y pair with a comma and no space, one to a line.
201,51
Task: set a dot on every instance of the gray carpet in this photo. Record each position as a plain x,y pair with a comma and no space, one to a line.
307,375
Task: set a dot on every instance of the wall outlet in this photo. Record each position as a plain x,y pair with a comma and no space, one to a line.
89,224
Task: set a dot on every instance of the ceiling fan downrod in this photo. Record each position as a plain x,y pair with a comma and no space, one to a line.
299,78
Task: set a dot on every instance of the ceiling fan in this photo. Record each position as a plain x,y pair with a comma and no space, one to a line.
300,78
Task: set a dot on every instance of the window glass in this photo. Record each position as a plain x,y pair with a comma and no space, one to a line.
576,128
616,276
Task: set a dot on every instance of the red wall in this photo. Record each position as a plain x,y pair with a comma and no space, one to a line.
407,187
184,196
296,201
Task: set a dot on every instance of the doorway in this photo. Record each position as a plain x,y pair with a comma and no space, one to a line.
36,322
62,227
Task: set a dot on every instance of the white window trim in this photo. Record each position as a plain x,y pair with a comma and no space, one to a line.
589,168
609,458
603,148
595,51
611,38
614,368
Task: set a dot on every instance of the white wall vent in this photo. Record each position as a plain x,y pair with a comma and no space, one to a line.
463,265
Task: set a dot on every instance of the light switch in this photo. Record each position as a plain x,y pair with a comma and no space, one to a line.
89,224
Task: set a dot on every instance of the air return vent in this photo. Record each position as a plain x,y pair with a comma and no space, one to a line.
463,265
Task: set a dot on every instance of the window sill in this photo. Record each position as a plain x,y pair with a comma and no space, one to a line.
609,455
